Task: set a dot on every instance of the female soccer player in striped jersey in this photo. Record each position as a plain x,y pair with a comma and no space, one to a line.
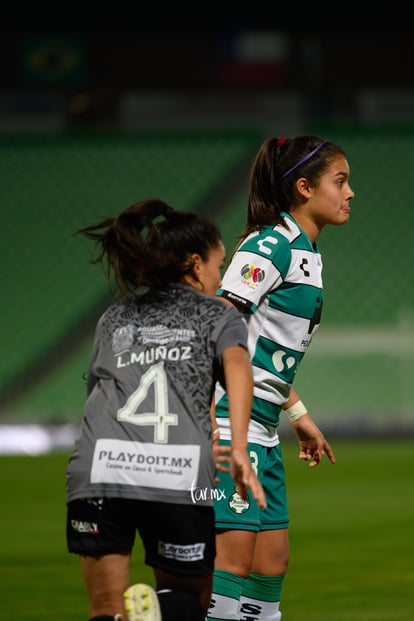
297,187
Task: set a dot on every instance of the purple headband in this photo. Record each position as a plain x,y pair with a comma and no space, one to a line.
305,159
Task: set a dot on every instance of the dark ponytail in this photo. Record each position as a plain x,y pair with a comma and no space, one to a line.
150,244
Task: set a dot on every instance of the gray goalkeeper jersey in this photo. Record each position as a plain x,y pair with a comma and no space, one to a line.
146,432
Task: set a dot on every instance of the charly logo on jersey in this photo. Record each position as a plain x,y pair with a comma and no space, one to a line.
252,275
91,528
237,504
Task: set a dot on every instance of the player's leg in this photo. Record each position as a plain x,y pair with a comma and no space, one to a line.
100,531
179,542
182,599
106,578
237,523
262,590
234,555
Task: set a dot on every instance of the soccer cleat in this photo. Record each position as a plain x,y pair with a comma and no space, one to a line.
141,603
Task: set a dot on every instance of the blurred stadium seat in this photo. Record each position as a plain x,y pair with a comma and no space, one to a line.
356,377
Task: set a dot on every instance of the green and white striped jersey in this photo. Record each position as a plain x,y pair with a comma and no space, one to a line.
275,277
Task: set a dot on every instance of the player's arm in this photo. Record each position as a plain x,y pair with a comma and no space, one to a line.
221,452
239,388
230,303
312,443
293,398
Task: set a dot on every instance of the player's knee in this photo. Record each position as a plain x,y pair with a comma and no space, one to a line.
180,606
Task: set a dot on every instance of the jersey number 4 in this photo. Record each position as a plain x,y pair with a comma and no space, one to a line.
160,418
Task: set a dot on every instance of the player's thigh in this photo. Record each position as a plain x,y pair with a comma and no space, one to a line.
99,526
179,539
271,554
106,578
234,550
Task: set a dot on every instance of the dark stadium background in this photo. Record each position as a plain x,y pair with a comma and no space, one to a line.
91,120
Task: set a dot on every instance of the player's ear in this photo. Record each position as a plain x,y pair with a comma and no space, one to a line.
194,277
302,187
196,260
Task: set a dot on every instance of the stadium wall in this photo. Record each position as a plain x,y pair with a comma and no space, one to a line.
356,377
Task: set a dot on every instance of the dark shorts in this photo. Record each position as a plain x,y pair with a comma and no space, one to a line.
179,539
234,512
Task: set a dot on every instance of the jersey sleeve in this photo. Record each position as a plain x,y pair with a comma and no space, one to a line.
259,266
231,331
91,377
99,358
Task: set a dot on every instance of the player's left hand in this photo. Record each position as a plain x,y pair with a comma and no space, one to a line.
312,443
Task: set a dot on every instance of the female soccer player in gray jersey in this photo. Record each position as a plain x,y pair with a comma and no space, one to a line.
144,457
297,187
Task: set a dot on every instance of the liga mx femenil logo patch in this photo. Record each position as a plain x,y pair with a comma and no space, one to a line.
252,275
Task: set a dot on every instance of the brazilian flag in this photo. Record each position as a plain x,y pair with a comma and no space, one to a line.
53,60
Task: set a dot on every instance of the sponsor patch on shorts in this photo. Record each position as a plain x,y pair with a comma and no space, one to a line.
190,553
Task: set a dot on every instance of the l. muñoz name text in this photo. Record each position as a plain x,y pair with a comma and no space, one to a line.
153,354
